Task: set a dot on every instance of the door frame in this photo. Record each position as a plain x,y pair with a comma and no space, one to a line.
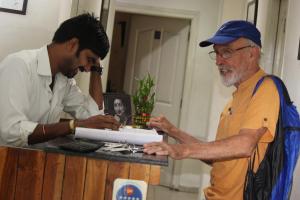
280,38
194,17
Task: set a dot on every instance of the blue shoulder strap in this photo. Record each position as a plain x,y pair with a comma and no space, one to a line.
283,93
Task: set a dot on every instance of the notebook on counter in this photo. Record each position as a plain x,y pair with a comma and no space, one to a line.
123,135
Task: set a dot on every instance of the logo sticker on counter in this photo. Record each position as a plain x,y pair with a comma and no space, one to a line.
127,189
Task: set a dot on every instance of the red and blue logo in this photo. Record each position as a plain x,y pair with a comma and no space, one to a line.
129,192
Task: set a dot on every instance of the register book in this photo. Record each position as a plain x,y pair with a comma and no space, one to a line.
123,135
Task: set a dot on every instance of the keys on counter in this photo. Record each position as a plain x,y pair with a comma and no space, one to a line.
123,148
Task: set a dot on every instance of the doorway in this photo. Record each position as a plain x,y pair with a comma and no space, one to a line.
144,44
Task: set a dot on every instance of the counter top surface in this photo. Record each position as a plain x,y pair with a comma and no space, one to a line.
53,146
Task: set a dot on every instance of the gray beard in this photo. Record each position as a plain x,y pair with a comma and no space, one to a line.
231,80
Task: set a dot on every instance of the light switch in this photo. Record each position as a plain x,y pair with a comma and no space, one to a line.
298,51
157,35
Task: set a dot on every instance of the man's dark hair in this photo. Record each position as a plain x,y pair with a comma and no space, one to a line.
88,30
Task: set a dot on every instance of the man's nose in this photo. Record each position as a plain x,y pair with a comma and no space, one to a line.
219,59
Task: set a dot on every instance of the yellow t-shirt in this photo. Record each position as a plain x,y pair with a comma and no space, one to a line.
244,111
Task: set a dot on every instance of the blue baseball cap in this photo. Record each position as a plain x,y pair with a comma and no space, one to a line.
233,30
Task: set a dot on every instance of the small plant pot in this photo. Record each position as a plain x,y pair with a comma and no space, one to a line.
140,121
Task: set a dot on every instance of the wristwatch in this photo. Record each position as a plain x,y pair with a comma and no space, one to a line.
98,69
94,68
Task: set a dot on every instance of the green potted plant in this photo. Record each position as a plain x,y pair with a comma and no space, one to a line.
143,101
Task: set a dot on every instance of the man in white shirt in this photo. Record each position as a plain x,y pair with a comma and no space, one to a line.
37,85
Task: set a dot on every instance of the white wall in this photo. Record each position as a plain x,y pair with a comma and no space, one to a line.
291,70
34,29
91,6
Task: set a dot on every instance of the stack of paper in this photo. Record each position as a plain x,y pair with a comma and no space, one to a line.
124,135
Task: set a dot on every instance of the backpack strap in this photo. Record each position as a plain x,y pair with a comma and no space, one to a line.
281,88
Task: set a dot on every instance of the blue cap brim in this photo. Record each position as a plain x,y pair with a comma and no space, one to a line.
217,40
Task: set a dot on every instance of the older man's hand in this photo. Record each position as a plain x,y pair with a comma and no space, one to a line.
161,123
175,151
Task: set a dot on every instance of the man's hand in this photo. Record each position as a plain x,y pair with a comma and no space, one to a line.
175,151
99,122
161,123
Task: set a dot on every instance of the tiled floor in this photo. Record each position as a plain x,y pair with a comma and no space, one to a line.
163,193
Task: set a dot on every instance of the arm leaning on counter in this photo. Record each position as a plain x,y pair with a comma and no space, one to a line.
44,132
237,146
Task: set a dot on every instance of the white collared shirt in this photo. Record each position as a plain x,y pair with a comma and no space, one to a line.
26,99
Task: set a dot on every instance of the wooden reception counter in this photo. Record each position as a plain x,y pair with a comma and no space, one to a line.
46,172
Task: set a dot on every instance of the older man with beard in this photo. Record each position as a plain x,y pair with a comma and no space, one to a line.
246,122
36,85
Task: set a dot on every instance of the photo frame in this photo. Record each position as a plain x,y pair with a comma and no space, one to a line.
252,7
13,6
118,105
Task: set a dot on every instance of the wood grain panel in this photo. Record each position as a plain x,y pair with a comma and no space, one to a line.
3,154
33,174
74,178
139,172
8,172
30,174
115,170
53,177
95,179
154,175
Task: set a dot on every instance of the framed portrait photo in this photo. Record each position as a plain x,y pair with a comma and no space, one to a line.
13,6
119,106
252,7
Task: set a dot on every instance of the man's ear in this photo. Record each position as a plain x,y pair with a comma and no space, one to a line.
254,52
73,45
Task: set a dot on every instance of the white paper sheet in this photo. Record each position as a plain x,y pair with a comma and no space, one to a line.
124,135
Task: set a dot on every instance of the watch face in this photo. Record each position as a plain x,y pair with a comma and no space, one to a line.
98,69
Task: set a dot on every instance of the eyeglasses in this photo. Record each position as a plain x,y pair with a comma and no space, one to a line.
226,53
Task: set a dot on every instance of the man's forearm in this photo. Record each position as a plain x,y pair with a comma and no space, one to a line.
45,132
95,89
187,139
183,137
238,146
